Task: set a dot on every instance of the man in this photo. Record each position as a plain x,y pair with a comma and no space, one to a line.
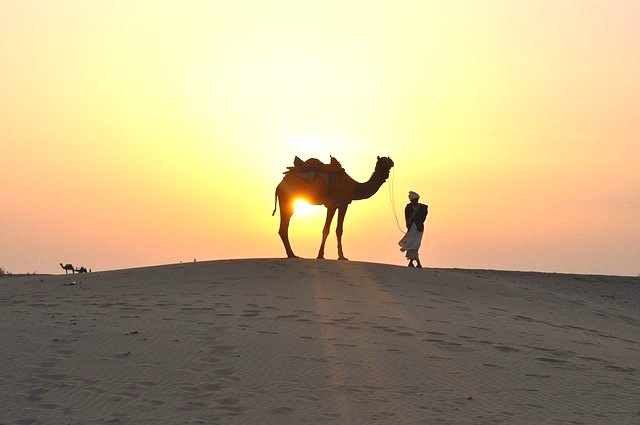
415,214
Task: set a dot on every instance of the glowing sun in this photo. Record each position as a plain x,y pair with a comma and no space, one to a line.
302,207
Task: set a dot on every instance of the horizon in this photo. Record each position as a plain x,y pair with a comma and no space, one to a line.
156,132
293,260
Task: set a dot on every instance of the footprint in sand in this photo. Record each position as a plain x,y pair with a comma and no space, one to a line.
432,333
280,410
35,394
533,375
229,404
505,349
384,328
621,369
479,328
28,421
550,360
193,405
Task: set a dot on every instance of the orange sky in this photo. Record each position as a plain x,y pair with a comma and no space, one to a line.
150,132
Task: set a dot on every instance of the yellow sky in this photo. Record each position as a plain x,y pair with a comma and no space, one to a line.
147,132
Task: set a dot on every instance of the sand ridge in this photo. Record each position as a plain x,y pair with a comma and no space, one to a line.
305,341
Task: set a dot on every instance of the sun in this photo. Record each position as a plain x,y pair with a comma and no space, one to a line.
302,207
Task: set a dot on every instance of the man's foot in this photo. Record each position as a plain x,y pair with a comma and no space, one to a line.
411,265
419,266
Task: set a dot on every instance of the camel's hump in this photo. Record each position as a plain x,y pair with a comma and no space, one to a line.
314,164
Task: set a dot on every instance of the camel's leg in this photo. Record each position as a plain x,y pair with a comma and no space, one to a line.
325,231
342,211
286,211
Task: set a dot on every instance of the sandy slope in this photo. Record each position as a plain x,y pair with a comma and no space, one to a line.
304,341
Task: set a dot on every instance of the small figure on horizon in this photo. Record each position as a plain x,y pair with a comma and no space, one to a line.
415,215
81,270
68,267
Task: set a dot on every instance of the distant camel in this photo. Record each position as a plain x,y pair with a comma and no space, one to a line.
68,267
81,270
328,185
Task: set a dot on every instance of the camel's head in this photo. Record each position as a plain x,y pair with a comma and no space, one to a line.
384,165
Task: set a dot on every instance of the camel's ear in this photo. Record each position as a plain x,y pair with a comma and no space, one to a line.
378,158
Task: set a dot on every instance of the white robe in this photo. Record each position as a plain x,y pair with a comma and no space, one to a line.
411,242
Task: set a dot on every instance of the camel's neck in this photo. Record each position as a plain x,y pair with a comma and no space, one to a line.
370,187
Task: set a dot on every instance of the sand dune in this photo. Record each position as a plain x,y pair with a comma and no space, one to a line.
304,341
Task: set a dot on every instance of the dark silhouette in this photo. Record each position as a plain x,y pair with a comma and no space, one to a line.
328,185
415,215
68,267
81,270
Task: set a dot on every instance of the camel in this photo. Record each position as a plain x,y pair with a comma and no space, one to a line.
328,185
68,267
82,270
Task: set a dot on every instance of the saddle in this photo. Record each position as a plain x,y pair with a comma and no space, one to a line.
314,165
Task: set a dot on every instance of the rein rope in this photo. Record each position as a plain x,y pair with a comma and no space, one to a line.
391,187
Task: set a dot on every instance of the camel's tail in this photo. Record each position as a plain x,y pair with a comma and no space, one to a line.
275,204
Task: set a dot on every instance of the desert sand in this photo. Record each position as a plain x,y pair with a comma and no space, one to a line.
271,341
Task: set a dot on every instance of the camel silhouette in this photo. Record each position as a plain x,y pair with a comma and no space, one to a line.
68,267
328,185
